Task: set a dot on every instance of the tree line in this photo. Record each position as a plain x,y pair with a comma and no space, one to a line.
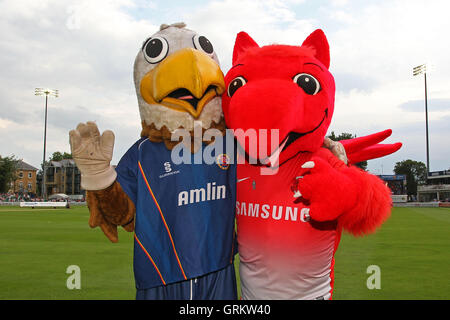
8,172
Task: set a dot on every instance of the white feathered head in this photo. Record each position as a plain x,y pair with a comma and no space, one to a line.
178,81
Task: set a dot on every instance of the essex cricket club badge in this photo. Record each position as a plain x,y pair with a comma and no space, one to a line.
223,161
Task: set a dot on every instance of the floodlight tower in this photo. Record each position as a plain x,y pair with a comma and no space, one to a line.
422,69
46,93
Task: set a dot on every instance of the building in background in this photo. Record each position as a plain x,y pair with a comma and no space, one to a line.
26,179
437,187
63,177
397,184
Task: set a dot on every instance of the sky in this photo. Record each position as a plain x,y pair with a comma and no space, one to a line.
86,50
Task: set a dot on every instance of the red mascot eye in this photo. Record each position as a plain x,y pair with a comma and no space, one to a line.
235,84
308,83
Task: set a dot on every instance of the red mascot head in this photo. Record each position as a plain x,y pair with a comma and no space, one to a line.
282,87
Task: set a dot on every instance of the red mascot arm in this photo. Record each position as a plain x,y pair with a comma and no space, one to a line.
373,205
374,197
359,201
369,147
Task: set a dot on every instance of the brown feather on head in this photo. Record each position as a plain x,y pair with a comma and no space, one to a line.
164,135
176,25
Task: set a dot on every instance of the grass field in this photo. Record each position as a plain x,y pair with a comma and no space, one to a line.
412,251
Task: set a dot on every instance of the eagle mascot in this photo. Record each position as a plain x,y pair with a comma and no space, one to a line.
182,213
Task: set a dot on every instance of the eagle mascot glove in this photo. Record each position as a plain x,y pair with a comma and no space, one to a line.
182,213
294,200
93,153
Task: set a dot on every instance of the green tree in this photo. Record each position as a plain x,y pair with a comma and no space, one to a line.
415,171
67,155
342,136
58,156
345,136
8,168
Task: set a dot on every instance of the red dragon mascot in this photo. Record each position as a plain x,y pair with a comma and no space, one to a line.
290,220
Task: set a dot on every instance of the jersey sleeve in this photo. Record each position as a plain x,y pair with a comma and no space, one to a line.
127,172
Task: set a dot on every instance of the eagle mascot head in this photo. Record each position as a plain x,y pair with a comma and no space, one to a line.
179,83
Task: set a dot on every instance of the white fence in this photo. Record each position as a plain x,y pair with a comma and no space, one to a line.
17,204
44,204
434,204
399,198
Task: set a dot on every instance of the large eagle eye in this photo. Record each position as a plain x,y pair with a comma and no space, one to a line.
203,44
235,84
308,83
155,49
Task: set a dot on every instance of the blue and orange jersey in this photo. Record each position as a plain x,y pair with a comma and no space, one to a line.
184,211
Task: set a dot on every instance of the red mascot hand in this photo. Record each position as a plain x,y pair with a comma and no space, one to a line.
369,147
328,192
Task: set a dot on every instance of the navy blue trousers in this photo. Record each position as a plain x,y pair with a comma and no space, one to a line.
219,285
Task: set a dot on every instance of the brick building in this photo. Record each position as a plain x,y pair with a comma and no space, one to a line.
63,177
26,178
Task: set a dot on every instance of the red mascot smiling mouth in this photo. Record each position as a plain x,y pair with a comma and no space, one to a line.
292,92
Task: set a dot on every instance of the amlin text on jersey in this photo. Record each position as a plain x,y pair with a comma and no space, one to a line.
211,192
